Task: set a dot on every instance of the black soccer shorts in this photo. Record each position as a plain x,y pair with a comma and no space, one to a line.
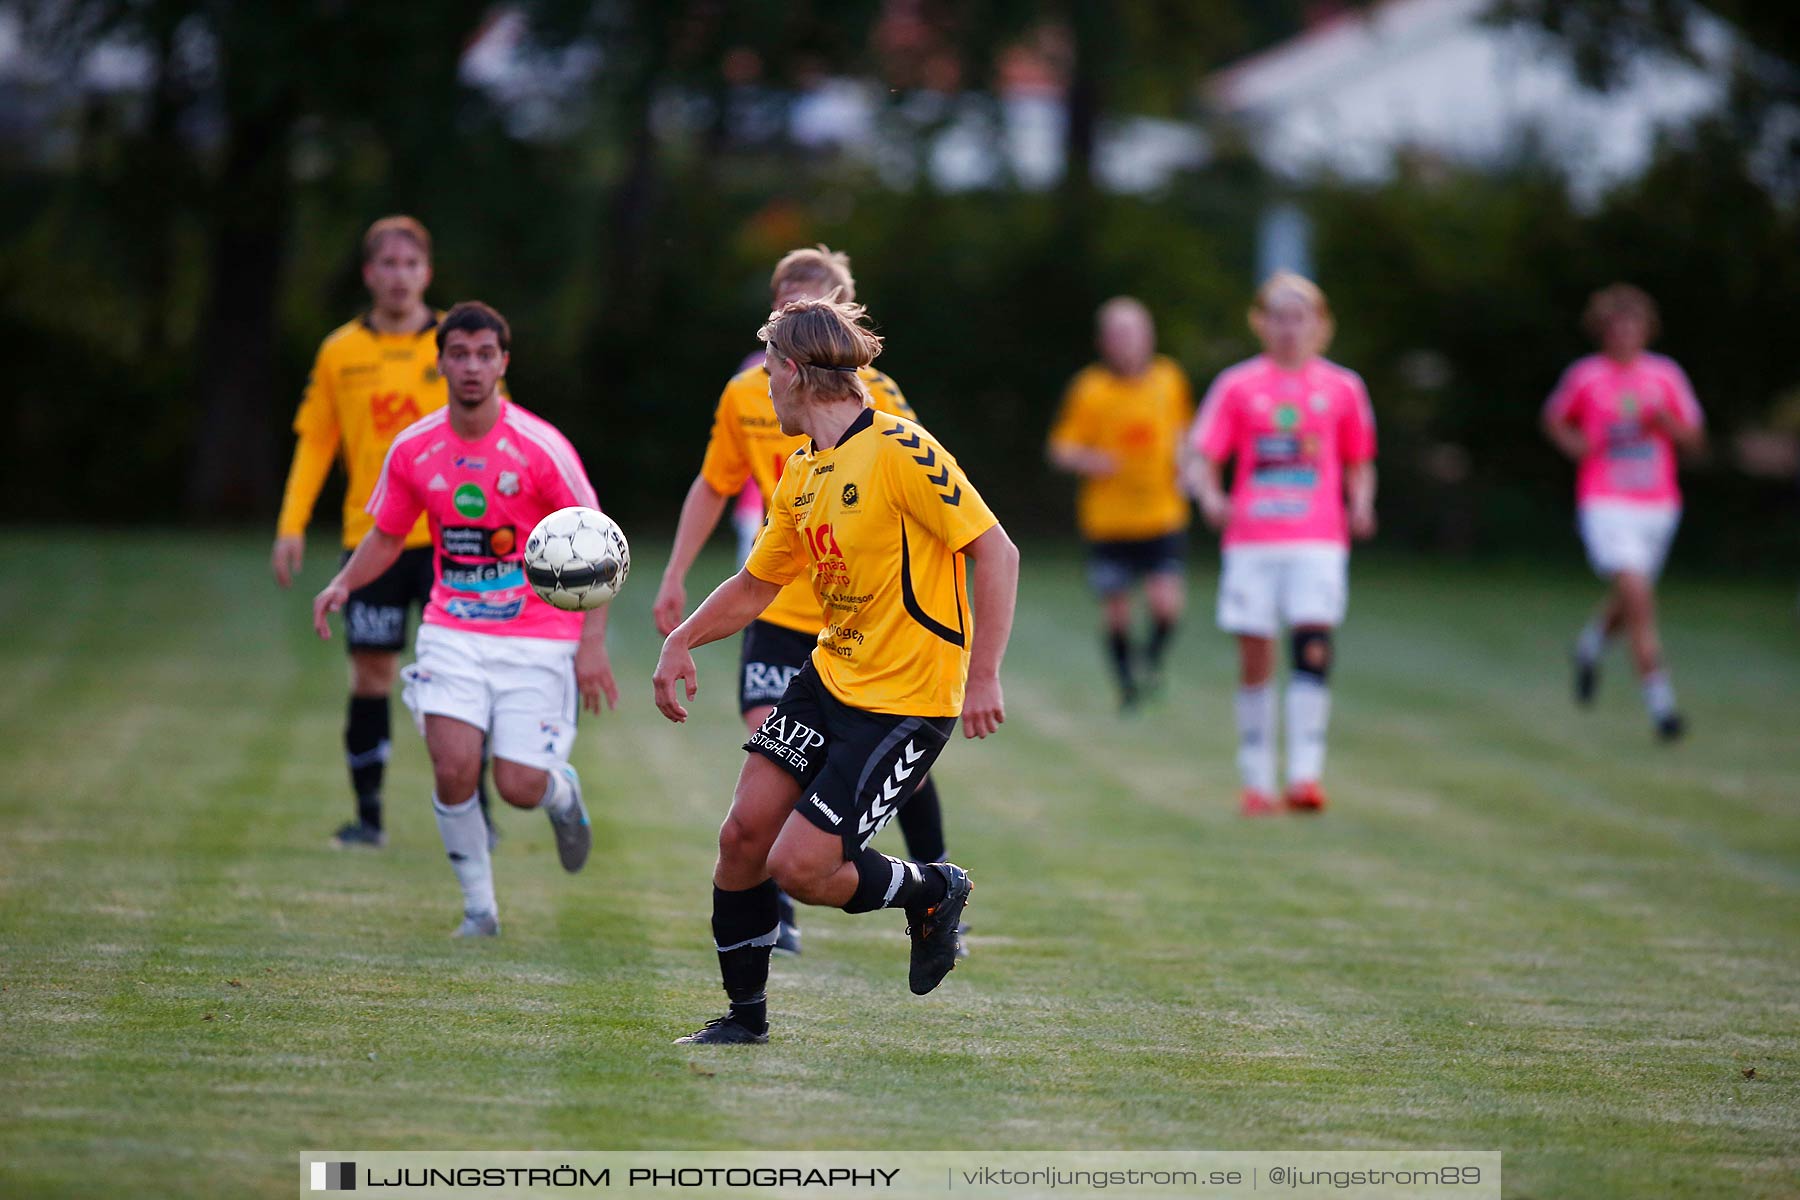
375,617
769,658
1114,567
855,768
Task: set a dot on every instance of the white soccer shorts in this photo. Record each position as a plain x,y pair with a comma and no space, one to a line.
1264,587
520,690
1628,537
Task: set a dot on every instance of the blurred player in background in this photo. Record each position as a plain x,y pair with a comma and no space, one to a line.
492,663
1303,436
372,378
1120,431
878,520
747,451
1622,415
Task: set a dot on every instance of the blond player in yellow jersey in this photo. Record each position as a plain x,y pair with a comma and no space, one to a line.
372,378
748,445
881,523
1120,431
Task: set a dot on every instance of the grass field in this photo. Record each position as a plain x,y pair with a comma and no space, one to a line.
1518,928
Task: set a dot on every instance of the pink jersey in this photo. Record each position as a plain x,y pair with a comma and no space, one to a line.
483,499
1292,433
1628,460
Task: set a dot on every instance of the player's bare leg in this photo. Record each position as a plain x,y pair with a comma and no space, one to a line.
787,936
809,864
746,914
558,792
1166,594
1591,643
1256,723
455,748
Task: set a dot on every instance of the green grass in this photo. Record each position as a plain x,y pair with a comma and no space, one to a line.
1518,928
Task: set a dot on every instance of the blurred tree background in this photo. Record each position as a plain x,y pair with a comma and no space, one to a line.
618,176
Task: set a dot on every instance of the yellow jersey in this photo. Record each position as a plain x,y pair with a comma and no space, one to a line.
874,527
747,443
365,387
1140,422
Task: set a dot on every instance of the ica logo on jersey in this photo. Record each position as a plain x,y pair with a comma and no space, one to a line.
392,412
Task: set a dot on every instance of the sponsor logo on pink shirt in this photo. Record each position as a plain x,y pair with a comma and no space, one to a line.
482,499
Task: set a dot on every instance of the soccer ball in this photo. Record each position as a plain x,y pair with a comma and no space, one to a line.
577,558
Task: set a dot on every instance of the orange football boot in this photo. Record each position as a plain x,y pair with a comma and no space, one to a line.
1255,804
1306,797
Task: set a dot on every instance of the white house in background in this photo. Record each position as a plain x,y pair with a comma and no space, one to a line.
1437,76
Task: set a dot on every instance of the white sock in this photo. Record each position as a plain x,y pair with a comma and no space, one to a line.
1256,738
1308,712
1590,643
466,842
558,794
1659,694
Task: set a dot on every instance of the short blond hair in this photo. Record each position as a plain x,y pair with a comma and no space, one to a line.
399,225
1121,305
820,267
1617,298
1297,284
828,341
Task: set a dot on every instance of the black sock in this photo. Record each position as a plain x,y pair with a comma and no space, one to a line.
1118,644
883,882
1160,633
366,750
922,822
744,932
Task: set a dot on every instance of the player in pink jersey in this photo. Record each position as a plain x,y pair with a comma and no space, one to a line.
492,660
1303,436
1623,415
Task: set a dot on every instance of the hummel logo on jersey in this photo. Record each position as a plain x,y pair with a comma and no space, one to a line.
438,484
826,809
887,800
928,460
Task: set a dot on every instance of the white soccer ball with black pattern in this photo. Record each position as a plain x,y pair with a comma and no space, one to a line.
577,558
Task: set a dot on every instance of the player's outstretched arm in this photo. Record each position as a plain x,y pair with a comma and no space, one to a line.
374,555
733,605
993,597
700,514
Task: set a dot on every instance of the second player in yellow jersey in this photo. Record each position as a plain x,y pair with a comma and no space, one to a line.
1120,431
367,384
372,378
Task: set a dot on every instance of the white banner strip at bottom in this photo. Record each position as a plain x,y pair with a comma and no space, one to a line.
892,1175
